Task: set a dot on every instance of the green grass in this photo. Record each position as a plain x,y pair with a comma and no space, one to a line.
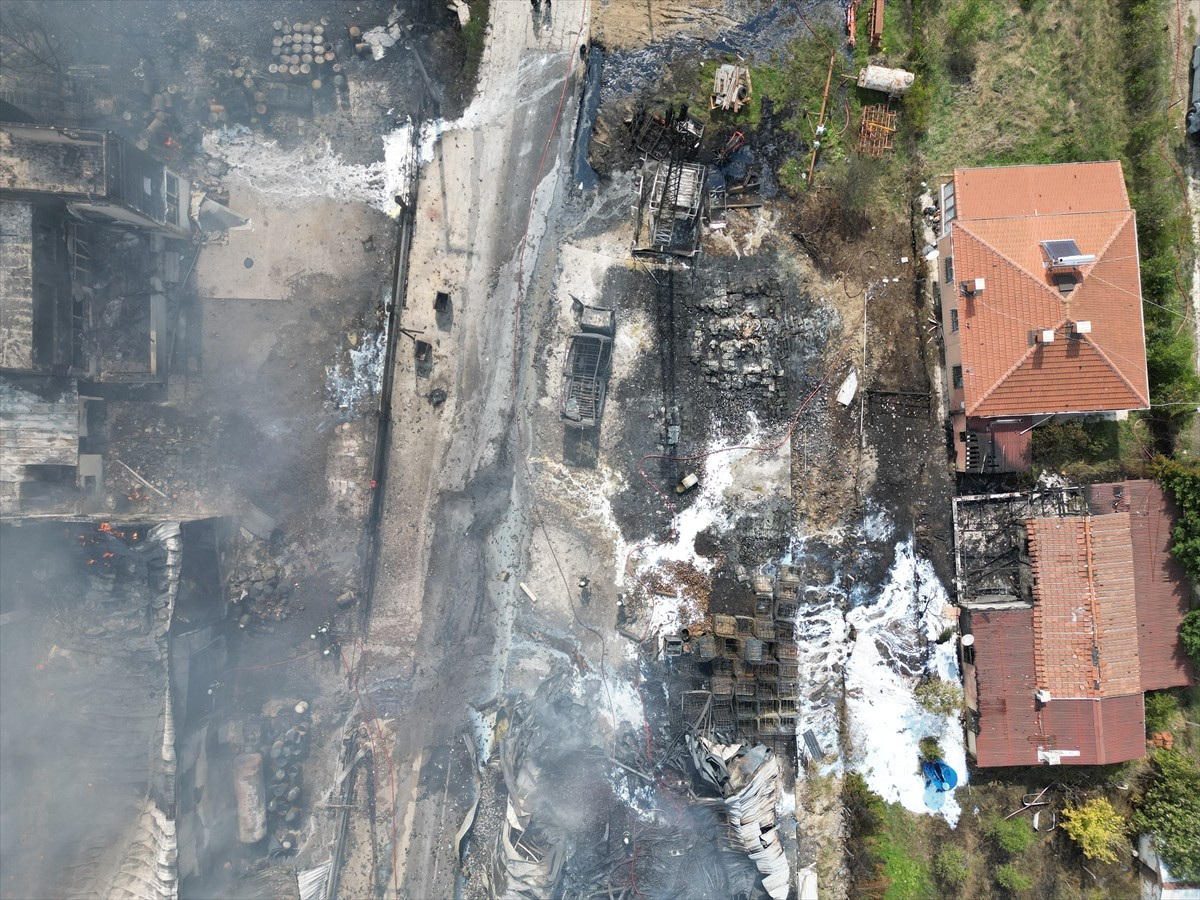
474,35
1044,87
910,875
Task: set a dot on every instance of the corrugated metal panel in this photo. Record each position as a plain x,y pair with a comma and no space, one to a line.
1004,677
39,425
1010,442
1012,728
1160,584
1105,731
16,285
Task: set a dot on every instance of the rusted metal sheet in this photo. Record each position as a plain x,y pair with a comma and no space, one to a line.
1160,587
250,793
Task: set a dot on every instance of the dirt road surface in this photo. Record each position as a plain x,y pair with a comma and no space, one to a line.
454,517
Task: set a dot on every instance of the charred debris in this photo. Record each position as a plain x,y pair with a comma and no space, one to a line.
681,189
169,650
574,818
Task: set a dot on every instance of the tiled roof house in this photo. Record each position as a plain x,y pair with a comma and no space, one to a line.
1059,677
1041,304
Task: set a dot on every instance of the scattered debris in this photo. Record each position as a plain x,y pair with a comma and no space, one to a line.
732,88
671,201
585,379
849,388
875,24
747,783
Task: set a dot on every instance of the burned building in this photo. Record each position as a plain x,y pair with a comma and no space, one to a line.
1071,605
92,235
92,238
98,174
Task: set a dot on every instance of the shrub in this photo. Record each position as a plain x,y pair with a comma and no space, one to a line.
930,749
1097,828
1011,835
1161,707
1170,811
864,818
952,866
1182,479
1013,879
940,697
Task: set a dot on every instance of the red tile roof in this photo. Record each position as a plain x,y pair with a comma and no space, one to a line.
1002,216
1013,727
1084,614
1039,190
1160,585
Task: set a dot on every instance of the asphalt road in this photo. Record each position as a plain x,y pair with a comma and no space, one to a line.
453,516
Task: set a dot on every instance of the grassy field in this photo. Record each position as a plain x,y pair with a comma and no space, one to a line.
1006,84
905,852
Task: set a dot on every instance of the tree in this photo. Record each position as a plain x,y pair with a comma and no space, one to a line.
1170,813
1182,479
1189,633
27,42
1098,829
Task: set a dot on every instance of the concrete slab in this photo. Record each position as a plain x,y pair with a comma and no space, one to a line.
284,243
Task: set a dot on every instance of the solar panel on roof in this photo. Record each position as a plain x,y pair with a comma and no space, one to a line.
1060,248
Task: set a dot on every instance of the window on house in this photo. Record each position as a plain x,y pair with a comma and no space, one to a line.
949,267
172,198
954,318
956,374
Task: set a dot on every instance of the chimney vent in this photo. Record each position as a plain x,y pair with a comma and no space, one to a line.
972,286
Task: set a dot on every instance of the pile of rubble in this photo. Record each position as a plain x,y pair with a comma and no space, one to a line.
737,339
740,674
260,586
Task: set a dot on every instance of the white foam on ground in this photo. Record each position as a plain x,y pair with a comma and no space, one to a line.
616,699
317,170
708,508
885,721
355,383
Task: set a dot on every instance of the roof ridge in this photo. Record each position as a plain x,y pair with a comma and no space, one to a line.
1016,265
1112,365
1112,239
1044,215
1021,360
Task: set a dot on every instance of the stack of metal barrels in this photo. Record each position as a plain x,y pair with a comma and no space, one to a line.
303,51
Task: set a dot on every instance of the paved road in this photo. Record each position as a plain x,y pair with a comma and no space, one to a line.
454,516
